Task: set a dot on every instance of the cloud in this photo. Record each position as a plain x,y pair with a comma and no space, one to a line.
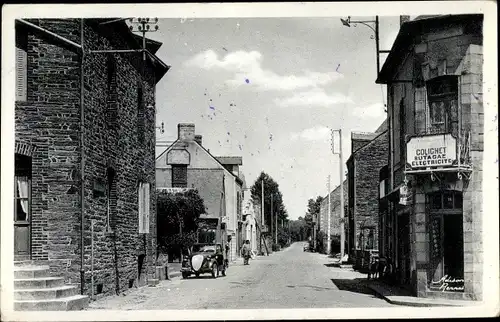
375,110
248,66
312,134
314,97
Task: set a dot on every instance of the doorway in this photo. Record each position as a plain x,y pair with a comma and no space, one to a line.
446,240
22,207
404,260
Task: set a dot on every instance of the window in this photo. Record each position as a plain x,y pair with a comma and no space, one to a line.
22,199
445,200
21,65
238,203
442,93
111,199
179,176
112,104
140,114
144,202
402,130
370,240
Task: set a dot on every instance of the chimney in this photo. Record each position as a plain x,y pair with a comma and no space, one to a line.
403,19
198,138
185,131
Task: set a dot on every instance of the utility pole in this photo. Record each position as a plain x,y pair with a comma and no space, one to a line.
329,220
341,188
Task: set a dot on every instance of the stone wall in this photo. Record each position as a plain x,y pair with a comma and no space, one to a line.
368,162
50,120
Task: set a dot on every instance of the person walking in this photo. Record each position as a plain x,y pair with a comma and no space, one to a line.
245,252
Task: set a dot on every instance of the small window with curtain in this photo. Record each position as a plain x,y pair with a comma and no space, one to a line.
22,197
21,65
144,199
179,176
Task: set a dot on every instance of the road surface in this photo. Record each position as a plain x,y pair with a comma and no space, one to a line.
290,278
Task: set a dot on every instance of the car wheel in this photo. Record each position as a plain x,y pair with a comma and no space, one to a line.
215,270
185,275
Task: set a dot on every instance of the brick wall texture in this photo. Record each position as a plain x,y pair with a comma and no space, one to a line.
50,121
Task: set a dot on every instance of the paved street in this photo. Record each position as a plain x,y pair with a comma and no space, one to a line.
291,278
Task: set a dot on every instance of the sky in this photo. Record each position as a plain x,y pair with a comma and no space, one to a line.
270,90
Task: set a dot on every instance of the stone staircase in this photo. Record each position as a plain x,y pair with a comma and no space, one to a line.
36,290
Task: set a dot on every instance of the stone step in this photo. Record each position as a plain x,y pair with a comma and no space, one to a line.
23,263
46,293
31,271
39,282
73,303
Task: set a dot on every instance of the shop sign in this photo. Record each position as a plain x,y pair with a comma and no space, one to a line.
404,195
448,284
431,151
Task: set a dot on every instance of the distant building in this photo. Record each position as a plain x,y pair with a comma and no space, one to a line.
187,164
84,155
432,204
334,216
250,221
369,154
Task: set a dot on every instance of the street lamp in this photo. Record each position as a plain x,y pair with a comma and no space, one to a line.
143,25
347,22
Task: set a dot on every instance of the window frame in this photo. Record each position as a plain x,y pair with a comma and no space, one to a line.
17,197
141,114
144,198
177,183
111,188
21,66
447,98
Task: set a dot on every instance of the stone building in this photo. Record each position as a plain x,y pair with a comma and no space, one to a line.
84,154
187,164
369,154
334,216
434,192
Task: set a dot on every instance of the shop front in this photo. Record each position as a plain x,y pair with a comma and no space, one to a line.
438,177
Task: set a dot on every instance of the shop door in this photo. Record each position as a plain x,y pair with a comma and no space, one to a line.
22,208
447,243
404,248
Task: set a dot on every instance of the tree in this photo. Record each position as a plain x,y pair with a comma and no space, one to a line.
178,219
313,210
298,230
271,188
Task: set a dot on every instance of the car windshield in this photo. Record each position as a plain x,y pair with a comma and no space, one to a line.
204,248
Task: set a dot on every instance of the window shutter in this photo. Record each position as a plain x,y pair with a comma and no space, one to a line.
140,207
146,208
21,74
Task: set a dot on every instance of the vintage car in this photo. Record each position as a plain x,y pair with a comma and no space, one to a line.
204,258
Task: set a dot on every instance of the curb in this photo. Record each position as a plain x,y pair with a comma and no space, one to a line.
174,275
416,303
